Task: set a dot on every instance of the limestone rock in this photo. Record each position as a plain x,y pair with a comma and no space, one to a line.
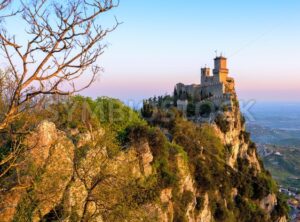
268,203
166,195
44,174
205,215
39,144
186,182
146,158
282,219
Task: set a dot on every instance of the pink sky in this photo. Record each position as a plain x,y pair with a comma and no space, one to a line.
149,54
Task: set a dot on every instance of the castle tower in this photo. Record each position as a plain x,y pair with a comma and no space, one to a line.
220,70
205,72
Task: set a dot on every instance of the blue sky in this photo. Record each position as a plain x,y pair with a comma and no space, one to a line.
162,42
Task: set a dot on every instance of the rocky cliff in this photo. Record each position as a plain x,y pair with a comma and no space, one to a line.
180,171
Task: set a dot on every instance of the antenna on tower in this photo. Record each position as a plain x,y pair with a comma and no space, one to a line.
216,51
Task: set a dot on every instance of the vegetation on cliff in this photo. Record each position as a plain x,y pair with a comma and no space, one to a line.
207,162
123,168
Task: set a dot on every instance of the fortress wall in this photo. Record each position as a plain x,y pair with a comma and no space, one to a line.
214,90
182,105
217,101
180,87
192,90
221,101
207,80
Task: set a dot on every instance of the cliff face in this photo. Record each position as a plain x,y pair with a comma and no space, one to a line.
200,173
230,128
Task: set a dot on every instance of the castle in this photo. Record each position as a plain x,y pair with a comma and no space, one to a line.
217,89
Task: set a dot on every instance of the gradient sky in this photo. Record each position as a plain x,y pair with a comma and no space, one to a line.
163,42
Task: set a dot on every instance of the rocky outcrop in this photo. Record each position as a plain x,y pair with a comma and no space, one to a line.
268,203
236,139
145,158
54,172
186,181
86,179
205,215
43,175
239,145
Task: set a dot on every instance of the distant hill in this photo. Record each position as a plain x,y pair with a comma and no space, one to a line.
276,131
267,135
284,164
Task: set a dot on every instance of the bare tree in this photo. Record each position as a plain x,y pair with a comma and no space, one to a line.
9,161
4,4
64,40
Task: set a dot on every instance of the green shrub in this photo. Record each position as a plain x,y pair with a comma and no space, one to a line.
167,178
187,198
191,109
263,185
199,203
133,134
195,138
25,208
251,185
211,142
220,212
181,205
249,211
143,196
178,150
136,193
160,148
83,113
147,109
281,208
80,153
203,175
205,110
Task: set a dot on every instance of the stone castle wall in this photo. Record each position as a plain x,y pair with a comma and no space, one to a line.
215,89
207,80
223,100
192,90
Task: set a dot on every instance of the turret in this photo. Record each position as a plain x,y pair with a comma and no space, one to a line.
205,72
220,70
